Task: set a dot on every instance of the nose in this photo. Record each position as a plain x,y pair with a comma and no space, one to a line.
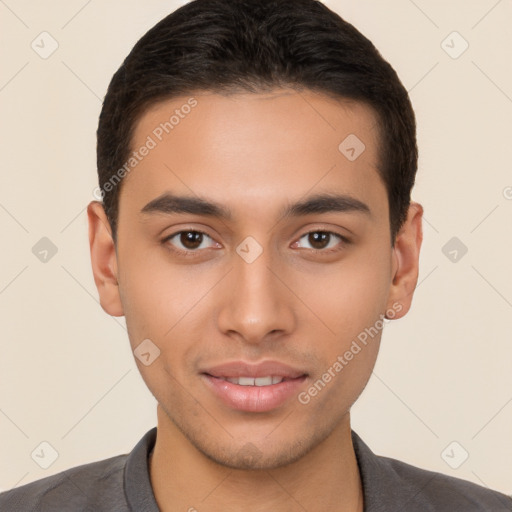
257,304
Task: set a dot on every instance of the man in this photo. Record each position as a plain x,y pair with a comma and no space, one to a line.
255,161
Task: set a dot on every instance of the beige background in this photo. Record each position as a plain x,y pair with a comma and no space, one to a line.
67,376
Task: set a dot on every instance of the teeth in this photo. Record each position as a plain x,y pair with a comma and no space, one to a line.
245,381
258,381
263,381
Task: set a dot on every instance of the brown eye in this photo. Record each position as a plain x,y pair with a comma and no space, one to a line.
319,239
189,241
322,240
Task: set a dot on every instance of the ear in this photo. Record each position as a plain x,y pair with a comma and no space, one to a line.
104,259
405,261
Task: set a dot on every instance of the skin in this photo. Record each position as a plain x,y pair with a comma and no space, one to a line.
255,153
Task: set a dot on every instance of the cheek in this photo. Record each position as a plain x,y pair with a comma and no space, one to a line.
170,305
347,297
349,306
156,303
150,297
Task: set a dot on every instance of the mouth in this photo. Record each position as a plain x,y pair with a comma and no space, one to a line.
254,388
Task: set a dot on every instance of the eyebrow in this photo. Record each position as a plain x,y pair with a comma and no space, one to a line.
321,203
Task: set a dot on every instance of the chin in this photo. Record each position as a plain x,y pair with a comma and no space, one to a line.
257,455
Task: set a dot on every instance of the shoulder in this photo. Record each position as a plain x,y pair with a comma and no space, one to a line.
390,484
443,492
88,487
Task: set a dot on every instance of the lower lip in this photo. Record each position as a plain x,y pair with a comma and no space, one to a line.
254,398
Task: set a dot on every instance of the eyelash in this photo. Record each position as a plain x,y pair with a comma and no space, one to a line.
344,241
188,254
193,253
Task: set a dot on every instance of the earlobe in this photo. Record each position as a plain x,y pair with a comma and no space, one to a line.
104,259
406,252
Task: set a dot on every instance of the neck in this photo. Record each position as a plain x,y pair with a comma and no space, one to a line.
185,479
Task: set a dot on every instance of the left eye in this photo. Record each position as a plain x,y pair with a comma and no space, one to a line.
189,240
320,240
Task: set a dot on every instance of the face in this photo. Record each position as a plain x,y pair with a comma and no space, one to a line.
254,254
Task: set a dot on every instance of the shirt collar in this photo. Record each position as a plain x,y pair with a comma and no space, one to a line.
137,485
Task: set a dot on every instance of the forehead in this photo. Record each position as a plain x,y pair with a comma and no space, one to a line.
253,148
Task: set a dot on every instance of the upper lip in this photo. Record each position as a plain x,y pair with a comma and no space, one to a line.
236,369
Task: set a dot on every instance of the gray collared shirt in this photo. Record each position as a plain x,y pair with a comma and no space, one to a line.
122,484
